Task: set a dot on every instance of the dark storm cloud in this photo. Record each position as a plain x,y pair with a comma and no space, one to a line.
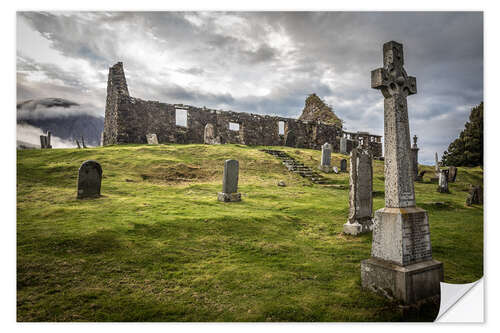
266,62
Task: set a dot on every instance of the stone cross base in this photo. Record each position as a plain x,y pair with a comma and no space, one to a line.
401,266
408,284
358,227
229,197
325,168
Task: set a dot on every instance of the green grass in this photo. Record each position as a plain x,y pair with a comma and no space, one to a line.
158,246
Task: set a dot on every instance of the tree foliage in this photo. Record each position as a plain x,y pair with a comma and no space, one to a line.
467,149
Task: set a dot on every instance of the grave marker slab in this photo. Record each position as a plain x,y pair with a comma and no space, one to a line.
452,174
401,264
360,193
326,158
343,145
230,182
443,182
152,139
343,165
89,180
209,136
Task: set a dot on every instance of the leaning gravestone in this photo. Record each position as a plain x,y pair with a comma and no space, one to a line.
452,174
475,196
343,145
89,180
152,139
360,193
443,182
230,182
326,158
401,265
343,165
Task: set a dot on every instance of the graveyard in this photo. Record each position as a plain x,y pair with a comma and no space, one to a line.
158,245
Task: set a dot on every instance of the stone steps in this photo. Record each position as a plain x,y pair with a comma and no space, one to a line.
296,167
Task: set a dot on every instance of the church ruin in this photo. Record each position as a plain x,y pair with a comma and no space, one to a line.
131,120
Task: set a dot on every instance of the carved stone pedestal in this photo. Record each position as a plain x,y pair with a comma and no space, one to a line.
410,284
229,197
401,266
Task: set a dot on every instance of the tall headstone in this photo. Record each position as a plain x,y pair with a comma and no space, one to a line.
49,135
343,145
343,165
436,167
152,139
401,264
360,218
209,135
230,182
414,158
42,142
89,180
452,174
326,158
443,182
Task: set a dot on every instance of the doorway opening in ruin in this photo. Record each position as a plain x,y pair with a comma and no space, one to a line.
181,117
281,127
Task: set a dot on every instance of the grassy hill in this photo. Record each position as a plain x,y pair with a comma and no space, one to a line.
158,246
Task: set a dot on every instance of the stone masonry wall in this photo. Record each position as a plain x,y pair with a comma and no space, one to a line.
129,120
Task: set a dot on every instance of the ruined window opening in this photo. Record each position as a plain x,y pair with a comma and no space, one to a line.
234,126
181,117
281,127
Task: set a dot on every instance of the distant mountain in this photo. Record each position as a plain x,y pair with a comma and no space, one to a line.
63,118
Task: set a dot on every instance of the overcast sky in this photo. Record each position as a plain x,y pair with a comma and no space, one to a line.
264,63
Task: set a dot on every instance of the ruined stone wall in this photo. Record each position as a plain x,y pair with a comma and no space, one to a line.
129,120
117,87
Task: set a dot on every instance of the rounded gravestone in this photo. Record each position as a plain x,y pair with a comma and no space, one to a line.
89,180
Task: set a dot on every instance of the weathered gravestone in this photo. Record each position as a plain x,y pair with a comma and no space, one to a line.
209,136
152,139
326,158
343,145
343,165
401,265
475,196
414,158
360,193
45,141
230,182
452,174
443,182
89,180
